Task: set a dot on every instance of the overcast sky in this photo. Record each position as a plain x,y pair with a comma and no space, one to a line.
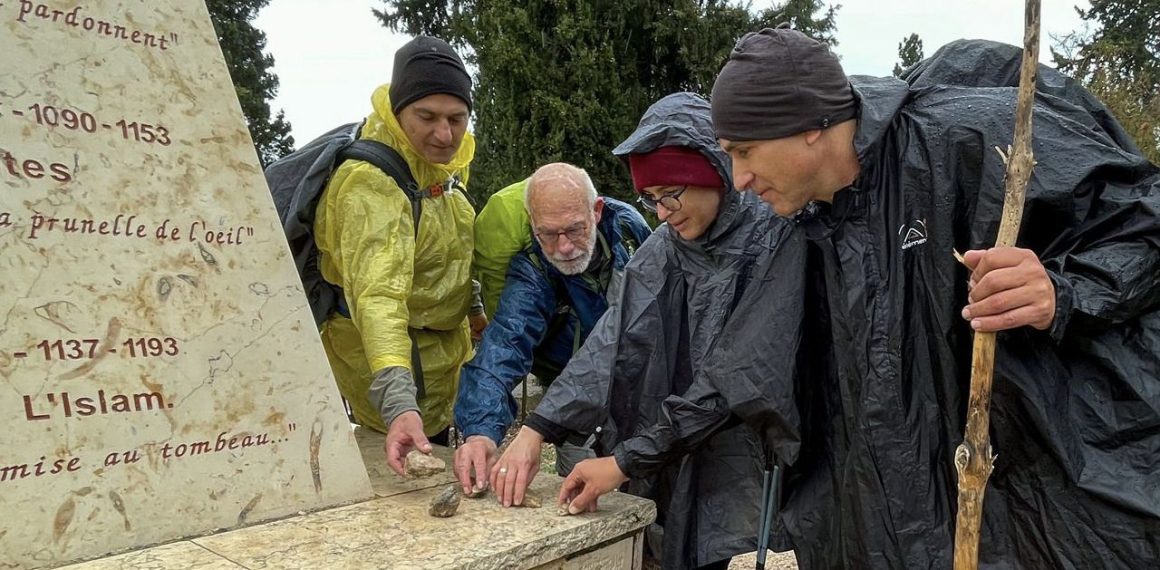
330,54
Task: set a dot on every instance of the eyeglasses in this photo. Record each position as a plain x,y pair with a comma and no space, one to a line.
671,201
575,234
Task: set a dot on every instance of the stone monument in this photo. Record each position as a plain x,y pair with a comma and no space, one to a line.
161,376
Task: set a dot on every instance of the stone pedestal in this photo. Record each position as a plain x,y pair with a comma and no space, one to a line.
160,372
395,531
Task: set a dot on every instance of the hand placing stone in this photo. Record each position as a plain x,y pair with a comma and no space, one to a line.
532,500
562,509
446,502
419,464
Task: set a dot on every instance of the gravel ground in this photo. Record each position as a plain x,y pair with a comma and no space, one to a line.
773,561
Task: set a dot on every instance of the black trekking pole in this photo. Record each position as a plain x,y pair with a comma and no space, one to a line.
770,499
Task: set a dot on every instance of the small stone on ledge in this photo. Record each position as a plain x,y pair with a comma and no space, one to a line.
446,502
419,464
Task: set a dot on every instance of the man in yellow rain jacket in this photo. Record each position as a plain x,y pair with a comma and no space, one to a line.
402,285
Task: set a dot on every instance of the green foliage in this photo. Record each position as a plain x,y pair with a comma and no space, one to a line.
569,79
1120,63
909,53
243,46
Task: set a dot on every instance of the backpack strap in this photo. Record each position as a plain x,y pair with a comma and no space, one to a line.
456,185
394,165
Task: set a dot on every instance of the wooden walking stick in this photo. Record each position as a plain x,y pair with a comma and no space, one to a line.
974,458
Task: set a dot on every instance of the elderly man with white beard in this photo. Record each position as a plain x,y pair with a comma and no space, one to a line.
554,292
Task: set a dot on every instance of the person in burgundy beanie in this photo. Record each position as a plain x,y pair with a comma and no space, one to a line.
680,186
676,295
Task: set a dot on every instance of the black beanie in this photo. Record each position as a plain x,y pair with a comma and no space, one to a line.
778,83
427,66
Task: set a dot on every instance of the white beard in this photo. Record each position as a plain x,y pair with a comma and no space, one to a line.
578,265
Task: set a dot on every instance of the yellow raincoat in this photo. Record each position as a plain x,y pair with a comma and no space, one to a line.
393,280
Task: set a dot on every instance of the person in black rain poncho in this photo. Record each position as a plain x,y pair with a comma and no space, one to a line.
676,294
858,380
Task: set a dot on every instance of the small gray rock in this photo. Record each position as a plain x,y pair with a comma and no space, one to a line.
476,493
446,502
562,509
419,464
532,500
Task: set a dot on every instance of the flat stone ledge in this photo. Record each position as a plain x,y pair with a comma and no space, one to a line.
394,531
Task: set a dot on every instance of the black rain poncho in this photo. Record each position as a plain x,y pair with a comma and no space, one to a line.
859,378
669,310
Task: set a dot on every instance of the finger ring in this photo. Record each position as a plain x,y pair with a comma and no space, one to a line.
503,469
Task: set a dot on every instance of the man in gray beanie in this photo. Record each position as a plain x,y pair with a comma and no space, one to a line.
401,333
856,369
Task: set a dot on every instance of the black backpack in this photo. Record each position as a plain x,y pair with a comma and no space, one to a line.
298,180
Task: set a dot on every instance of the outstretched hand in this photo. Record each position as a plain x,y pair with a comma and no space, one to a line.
588,481
517,467
405,434
473,461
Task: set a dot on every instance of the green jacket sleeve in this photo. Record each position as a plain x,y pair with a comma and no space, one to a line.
501,231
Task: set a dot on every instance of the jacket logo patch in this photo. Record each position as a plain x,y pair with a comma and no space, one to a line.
912,234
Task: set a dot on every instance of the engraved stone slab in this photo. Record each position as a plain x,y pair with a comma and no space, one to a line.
397,532
160,372
183,555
